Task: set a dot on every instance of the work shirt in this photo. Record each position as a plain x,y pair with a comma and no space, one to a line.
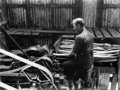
83,47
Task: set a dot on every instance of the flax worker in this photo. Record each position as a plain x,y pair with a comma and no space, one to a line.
82,51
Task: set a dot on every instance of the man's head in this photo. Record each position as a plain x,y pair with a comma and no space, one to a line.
78,24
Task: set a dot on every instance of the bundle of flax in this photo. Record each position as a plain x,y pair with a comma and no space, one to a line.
101,51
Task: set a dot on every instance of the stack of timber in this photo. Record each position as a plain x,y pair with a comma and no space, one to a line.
106,57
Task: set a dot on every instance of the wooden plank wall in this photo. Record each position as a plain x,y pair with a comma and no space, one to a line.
89,12
57,14
39,13
0,2
3,43
111,13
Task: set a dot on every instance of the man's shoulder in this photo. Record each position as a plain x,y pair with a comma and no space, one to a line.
85,34
88,34
79,36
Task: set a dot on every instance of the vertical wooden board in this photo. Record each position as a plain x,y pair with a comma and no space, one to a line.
98,33
78,8
99,13
48,23
3,42
119,72
24,14
53,17
55,9
7,15
89,12
114,82
103,81
10,24
58,15
45,17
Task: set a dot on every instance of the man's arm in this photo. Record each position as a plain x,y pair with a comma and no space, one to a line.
77,46
72,54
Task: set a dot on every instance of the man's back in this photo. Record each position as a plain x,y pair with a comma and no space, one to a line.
83,47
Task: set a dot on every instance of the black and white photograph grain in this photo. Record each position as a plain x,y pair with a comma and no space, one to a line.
59,44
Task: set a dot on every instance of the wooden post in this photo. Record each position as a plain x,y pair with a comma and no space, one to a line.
114,82
3,10
119,72
78,8
103,81
99,13
28,13
52,16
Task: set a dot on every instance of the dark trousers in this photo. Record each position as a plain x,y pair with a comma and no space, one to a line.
69,68
73,71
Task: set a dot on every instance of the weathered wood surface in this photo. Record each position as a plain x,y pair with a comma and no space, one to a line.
59,13
3,42
119,74
114,82
105,33
98,32
6,59
103,81
107,81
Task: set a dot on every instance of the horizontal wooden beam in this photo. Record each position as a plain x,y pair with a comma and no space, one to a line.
39,5
106,69
110,6
43,31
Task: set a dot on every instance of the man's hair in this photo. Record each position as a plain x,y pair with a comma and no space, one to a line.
77,21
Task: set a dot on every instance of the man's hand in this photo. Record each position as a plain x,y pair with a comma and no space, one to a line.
71,55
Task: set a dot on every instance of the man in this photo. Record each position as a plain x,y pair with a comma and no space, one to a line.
82,51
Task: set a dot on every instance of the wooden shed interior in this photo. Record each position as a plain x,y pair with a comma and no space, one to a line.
40,22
